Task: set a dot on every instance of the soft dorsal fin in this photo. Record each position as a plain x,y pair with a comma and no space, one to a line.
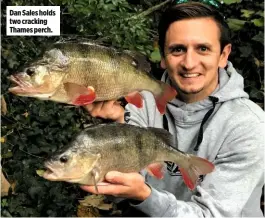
137,59
166,136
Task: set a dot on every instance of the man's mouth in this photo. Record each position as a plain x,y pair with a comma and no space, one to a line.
190,75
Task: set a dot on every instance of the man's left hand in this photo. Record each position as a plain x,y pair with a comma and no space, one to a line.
125,185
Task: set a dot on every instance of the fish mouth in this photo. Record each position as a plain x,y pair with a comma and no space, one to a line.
49,173
20,85
23,87
57,174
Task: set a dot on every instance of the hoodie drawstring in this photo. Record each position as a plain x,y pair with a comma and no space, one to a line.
206,117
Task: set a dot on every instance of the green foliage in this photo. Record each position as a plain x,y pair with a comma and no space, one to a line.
34,129
247,23
117,23
228,2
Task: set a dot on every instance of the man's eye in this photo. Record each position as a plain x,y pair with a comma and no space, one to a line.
203,48
178,49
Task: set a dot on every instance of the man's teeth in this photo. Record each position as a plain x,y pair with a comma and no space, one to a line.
188,75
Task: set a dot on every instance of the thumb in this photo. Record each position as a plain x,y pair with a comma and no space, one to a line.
116,177
89,107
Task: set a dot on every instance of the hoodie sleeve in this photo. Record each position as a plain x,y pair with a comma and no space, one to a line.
238,175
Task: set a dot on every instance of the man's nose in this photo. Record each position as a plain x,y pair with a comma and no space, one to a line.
190,60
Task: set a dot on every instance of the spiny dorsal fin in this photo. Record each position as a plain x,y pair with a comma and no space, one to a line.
76,39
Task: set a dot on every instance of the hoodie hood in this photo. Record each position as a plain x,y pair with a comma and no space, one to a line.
230,86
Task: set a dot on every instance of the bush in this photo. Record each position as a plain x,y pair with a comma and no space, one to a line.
33,129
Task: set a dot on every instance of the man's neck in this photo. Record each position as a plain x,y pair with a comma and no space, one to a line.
195,97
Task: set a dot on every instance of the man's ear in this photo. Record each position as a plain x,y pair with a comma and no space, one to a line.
163,63
224,56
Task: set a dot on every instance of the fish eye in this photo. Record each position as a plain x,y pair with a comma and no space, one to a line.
30,71
64,159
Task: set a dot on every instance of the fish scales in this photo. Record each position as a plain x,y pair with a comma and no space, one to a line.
102,69
141,146
121,147
83,73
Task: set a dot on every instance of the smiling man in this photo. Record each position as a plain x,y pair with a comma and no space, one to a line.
211,117
192,57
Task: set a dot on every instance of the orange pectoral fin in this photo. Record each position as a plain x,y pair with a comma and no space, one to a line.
156,170
80,95
162,100
135,98
84,99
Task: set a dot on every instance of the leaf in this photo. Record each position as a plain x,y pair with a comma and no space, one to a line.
26,114
96,201
260,13
258,22
5,185
3,105
83,211
3,139
259,37
247,13
7,155
155,56
4,203
245,51
40,172
235,24
228,2
258,62
255,93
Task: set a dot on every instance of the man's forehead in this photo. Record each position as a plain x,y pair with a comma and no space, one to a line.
203,20
196,30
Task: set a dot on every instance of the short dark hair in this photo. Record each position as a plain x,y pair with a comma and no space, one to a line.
192,10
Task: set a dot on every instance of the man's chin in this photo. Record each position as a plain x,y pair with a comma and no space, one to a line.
191,92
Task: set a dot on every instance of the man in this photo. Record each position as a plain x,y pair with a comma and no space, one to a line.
211,117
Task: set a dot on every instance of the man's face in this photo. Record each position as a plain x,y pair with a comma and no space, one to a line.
192,57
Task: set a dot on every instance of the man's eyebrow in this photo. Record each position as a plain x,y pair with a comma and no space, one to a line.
172,46
205,44
175,45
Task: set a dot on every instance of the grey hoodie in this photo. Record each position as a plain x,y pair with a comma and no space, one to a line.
232,137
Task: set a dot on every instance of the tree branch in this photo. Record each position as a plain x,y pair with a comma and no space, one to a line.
150,10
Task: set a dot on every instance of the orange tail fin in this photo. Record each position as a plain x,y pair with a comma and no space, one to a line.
168,94
198,166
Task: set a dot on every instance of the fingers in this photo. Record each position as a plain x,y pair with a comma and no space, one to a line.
115,177
110,189
128,185
125,179
89,107
107,110
94,109
121,178
116,182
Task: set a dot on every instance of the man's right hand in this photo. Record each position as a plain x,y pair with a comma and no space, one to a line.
106,110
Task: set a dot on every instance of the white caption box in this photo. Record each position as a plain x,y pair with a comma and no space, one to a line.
33,20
